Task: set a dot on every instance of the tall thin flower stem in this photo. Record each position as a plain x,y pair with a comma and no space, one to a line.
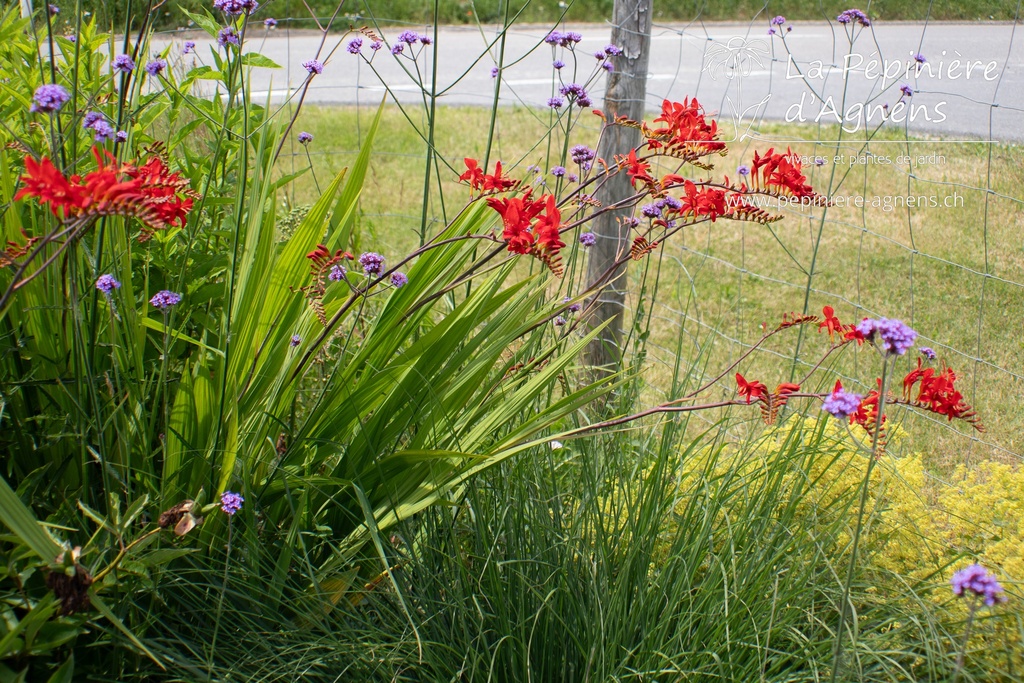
220,602
865,487
973,608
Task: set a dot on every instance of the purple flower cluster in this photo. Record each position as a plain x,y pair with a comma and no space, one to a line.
919,58
190,45
567,39
743,170
670,203
399,279
354,46
295,340
559,321
558,63
49,98
906,90
607,66
556,102
122,136
588,239
558,171
372,263
841,404
95,121
235,7
376,45
399,48
337,273
495,71
165,298
156,67
650,210
581,154
632,222
228,36
853,15
270,23
576,92
613,50
976,579
778,21
123,63
573,307
231,502
305,138
408,37
313,66
928,353
893,335
107,283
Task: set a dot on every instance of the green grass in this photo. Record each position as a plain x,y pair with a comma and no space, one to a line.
867,258
577,11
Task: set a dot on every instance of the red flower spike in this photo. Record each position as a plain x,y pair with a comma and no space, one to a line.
686,132
516,215
635,168
780,173
549,241
151,193
751,390
830,323
938,394
479,180
474,175
705,202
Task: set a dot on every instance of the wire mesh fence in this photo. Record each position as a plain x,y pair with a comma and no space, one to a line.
926,218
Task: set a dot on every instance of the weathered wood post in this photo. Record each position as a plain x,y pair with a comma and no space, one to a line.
627,90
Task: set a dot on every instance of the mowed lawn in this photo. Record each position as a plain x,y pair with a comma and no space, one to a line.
955,271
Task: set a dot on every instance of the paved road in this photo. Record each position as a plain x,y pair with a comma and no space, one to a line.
971,86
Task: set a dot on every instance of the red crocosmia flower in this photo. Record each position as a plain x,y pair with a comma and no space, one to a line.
549,241
781,172
786,388
150,193
637,169
867,412
751,390
474,175
686,131
853,334
938,393
516,214
707,201
830,323
496,182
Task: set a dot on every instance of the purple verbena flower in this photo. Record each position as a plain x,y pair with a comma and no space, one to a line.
399,279
90,119
559,321
906,90
104,131
337,273
49,98
588,239
270,23
893,335
581,154
976,579
569,38
123,63
928,352
231,502
376,45
228,36
295,340
156,67
54,10
573,307
841,404
778,21
852,15
354,46
558,171
613,50
554,38
190,45
743,170
556,102
165,299
771,31
558,63
71,37
313,66
572,178
426,40
600,54
234,7
919,58
107,283
372,263
607,66
305,138
632,221
672,203
409,37
494,71
121,135
398,48
650,210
